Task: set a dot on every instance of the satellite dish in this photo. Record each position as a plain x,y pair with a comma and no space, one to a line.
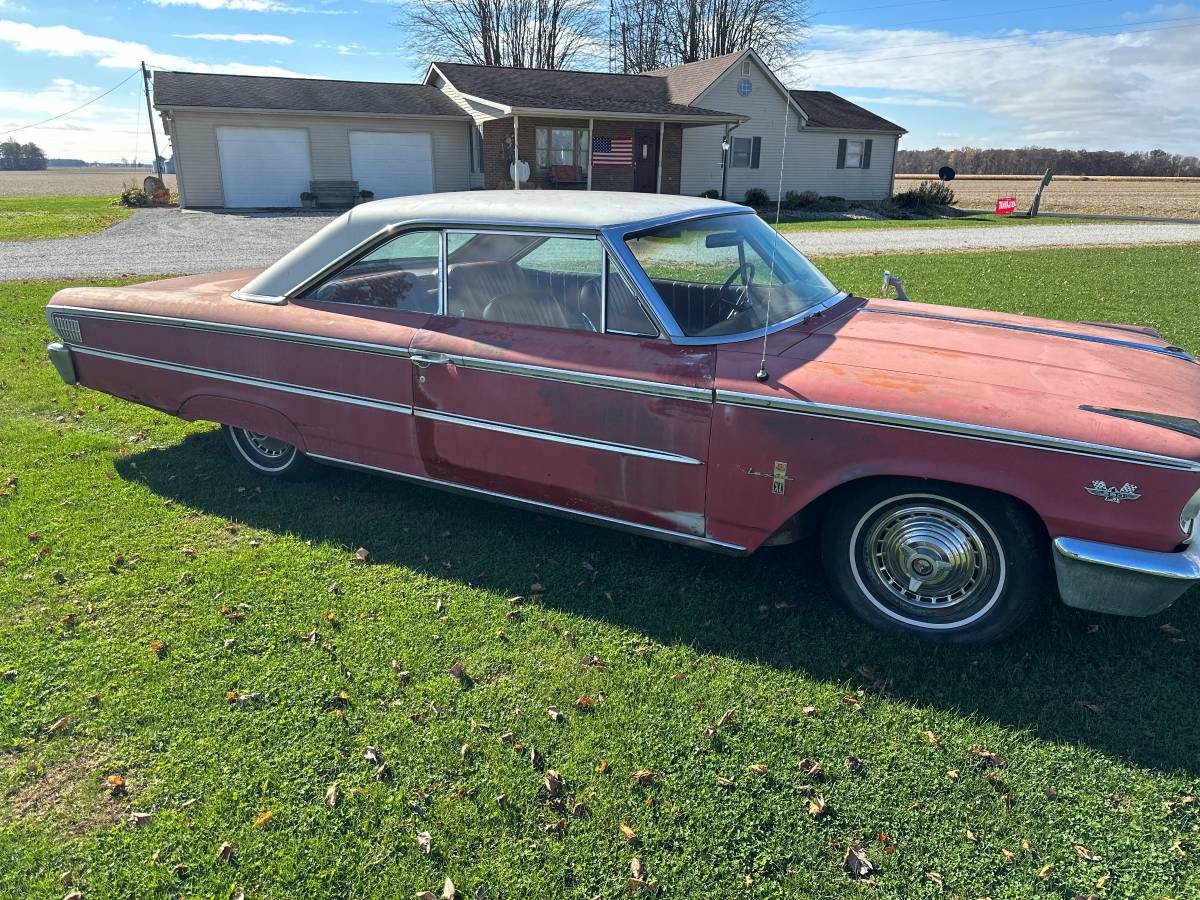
519,168
946,173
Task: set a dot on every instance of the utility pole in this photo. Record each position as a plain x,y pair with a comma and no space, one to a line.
150,112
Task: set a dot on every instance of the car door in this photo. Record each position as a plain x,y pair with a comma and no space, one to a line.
370,311
546,381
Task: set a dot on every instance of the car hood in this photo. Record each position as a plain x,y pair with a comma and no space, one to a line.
1006,371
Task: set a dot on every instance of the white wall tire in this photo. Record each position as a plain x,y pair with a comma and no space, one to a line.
937,561
268,456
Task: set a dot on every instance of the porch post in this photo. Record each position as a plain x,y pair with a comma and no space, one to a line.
516,163
662,130
591,139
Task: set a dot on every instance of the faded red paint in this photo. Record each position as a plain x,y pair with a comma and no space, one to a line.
858,354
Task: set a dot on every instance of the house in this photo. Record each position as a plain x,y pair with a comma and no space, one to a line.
728,122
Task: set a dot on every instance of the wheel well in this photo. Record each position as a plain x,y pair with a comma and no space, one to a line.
811,518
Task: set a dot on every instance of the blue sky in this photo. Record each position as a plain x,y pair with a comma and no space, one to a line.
1103,74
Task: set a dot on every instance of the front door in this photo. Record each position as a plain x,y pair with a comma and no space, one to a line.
645,162
525,390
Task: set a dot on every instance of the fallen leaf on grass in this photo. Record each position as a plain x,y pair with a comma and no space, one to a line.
1102,882
370,754
60,724
554,783
449,891
584,703
225,852
331,795
854,765
554,714
758,768
857,863
936,878
629,834
933,740
425,842
644,777
724,782
1044,871
362,555
810,768
726,718
1167,628
159,648
188,552
115,785
1084,853
263,818
993,760
817,807
139,818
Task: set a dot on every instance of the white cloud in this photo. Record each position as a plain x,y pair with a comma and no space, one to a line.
1103,91
109,129
264,6
240,38
110,53
906,100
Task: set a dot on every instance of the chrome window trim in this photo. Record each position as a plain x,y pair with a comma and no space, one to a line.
258,298
1174,352
297,337
617,235
556,437
612,264
679,537
956,429
443,245
282,386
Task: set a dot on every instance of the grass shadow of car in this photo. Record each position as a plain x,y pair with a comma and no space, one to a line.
1118,686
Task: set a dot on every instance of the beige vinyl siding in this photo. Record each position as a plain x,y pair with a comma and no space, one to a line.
478,112
194,143
811,159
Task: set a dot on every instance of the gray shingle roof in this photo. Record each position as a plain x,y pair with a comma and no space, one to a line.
688,81
307,94
557,89
827,110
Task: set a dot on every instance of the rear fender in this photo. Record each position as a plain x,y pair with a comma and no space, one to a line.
240,414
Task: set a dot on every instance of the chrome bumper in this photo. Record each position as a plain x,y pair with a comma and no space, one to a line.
1121,580
60,355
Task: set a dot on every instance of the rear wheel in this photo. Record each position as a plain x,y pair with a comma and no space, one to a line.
937,561
269,456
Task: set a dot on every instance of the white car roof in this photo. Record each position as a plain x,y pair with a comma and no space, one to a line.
558,209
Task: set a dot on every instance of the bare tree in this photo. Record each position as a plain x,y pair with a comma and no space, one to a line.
540,34
650,34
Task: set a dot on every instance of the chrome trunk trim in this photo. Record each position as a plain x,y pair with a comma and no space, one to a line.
677,537
958,429
270,334
1174,352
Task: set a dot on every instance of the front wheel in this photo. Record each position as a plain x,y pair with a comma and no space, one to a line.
269,456
936,561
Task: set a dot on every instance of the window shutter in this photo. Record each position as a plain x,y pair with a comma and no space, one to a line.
841,162
755,150
866,160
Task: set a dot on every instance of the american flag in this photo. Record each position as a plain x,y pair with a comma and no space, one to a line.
608,151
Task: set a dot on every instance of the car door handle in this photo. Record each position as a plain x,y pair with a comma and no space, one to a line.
423,360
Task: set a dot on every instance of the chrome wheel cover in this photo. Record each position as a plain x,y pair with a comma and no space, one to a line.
927,559
267,447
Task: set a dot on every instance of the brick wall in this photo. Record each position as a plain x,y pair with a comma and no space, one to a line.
497,141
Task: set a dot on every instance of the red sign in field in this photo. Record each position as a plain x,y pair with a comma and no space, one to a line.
1006,206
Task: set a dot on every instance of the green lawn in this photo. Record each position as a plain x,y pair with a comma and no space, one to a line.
147,580
35,218
977,221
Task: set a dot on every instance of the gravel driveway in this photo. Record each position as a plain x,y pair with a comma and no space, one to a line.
164,242
174,241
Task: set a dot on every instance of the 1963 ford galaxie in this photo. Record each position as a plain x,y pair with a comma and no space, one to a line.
672,367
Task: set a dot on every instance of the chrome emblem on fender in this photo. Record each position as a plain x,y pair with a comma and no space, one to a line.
1127,491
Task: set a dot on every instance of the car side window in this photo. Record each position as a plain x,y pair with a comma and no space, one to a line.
400,274
625,315
554,282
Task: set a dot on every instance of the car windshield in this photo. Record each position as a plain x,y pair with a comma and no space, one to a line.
718,274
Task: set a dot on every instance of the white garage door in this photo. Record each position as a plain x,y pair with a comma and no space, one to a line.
263,166
391,164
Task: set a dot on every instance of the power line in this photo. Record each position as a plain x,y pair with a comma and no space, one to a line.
77,108
1020,39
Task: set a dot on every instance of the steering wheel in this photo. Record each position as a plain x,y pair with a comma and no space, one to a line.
742,301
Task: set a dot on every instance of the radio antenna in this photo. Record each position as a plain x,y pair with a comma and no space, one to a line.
762,375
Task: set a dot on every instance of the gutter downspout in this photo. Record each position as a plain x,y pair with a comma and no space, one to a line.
662,131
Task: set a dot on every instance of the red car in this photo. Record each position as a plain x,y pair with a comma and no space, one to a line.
673,367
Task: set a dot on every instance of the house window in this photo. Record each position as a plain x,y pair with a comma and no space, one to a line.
745,67
561,147
854,154
744,152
